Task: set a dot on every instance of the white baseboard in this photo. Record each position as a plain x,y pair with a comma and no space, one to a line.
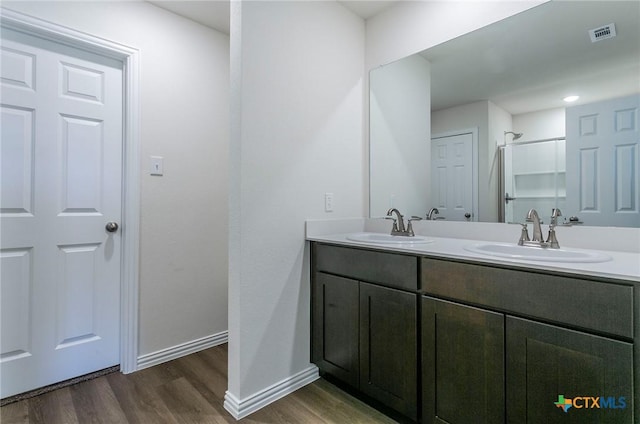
174,352
240,408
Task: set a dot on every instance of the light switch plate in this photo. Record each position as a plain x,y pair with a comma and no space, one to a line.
156,166
328,202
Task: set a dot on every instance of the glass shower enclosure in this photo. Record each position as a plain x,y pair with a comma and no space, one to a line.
533,175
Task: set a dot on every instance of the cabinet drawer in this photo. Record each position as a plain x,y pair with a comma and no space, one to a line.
367,265
602,307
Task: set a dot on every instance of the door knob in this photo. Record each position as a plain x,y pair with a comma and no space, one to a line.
111,227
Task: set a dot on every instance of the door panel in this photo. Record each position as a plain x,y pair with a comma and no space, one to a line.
61,182
17,160
82,146
16,276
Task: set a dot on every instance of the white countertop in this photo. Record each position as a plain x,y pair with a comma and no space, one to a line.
623,265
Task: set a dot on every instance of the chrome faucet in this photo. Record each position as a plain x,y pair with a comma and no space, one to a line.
537,240
532,216
398,228
432,211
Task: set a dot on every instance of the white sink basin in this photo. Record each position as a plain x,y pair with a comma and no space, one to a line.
387,238
513,251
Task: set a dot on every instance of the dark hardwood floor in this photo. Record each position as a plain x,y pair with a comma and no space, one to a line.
187,390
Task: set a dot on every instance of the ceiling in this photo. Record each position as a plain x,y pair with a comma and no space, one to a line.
215,13
366,9
513,61
532,60
211,13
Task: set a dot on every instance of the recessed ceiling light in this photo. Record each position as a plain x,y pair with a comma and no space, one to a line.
570,99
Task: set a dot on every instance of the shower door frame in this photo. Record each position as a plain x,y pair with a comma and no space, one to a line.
502,200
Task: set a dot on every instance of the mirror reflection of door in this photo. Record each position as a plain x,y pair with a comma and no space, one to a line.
534,177
603,152
452,176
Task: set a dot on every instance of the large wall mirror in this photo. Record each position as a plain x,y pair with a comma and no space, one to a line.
478,127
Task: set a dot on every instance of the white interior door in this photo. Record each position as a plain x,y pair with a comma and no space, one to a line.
603,155
61,183
452,176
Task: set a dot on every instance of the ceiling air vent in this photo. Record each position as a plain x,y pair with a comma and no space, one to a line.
602,33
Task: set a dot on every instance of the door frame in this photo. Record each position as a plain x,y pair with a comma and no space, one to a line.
474,165
129,278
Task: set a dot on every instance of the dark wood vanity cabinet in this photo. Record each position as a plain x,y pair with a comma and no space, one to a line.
364,323
491,344
505,344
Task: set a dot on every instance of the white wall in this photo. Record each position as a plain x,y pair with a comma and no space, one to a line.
296,133
400,137
540,125
460,117
184,97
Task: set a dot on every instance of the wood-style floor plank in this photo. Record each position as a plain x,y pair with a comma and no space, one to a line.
208,380
187,390
187,405
15,413
138,401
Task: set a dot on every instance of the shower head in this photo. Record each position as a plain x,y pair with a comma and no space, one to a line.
515,135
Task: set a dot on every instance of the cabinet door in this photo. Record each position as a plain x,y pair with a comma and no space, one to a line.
335,327
462,364
388,347
545,363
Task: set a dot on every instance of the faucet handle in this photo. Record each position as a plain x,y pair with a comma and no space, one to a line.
410,225
524,234
395,223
